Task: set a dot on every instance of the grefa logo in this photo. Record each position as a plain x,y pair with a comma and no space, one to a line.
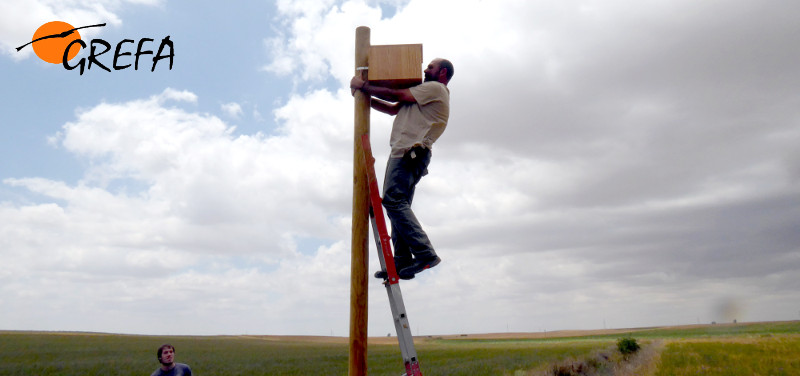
58,42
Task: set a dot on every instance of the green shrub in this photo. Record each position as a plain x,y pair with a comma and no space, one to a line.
627,346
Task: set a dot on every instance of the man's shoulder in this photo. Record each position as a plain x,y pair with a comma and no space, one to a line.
180,369
433,85
430,90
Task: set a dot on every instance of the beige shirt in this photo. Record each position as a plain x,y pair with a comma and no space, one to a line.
421,123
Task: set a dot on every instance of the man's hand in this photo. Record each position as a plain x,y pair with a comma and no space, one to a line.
385,93
356,83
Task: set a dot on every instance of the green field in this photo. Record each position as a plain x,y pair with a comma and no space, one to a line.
741,349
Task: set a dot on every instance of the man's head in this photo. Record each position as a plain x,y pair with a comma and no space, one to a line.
440,70
166,354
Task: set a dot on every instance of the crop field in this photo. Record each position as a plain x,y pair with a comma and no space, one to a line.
732,349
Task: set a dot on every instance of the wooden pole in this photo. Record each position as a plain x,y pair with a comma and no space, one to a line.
360,250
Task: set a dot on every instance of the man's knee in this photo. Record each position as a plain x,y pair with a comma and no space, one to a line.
394,204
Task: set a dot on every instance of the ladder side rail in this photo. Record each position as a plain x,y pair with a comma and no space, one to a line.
404,336
377,238
377,208
399,316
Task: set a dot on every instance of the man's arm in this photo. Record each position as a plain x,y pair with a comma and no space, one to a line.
385,107
385,93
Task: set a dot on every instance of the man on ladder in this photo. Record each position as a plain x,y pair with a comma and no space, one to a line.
421,113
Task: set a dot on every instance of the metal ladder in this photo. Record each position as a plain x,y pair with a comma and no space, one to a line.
391,280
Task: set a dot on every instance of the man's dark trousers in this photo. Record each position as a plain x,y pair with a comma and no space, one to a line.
402,176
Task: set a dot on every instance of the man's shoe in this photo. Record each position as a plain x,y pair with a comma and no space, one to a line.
418,266
399,264
382,274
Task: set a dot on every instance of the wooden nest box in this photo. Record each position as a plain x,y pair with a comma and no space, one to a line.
397,66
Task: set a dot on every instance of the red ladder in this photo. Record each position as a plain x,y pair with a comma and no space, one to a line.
392,282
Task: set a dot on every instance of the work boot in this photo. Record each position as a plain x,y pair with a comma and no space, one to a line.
418,266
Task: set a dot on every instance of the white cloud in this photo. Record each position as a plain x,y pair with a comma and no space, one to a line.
170,94
232,109
311,46
172,195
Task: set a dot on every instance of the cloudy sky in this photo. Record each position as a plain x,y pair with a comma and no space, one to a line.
607,164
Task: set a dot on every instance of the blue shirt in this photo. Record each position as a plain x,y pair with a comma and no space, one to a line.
180,369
